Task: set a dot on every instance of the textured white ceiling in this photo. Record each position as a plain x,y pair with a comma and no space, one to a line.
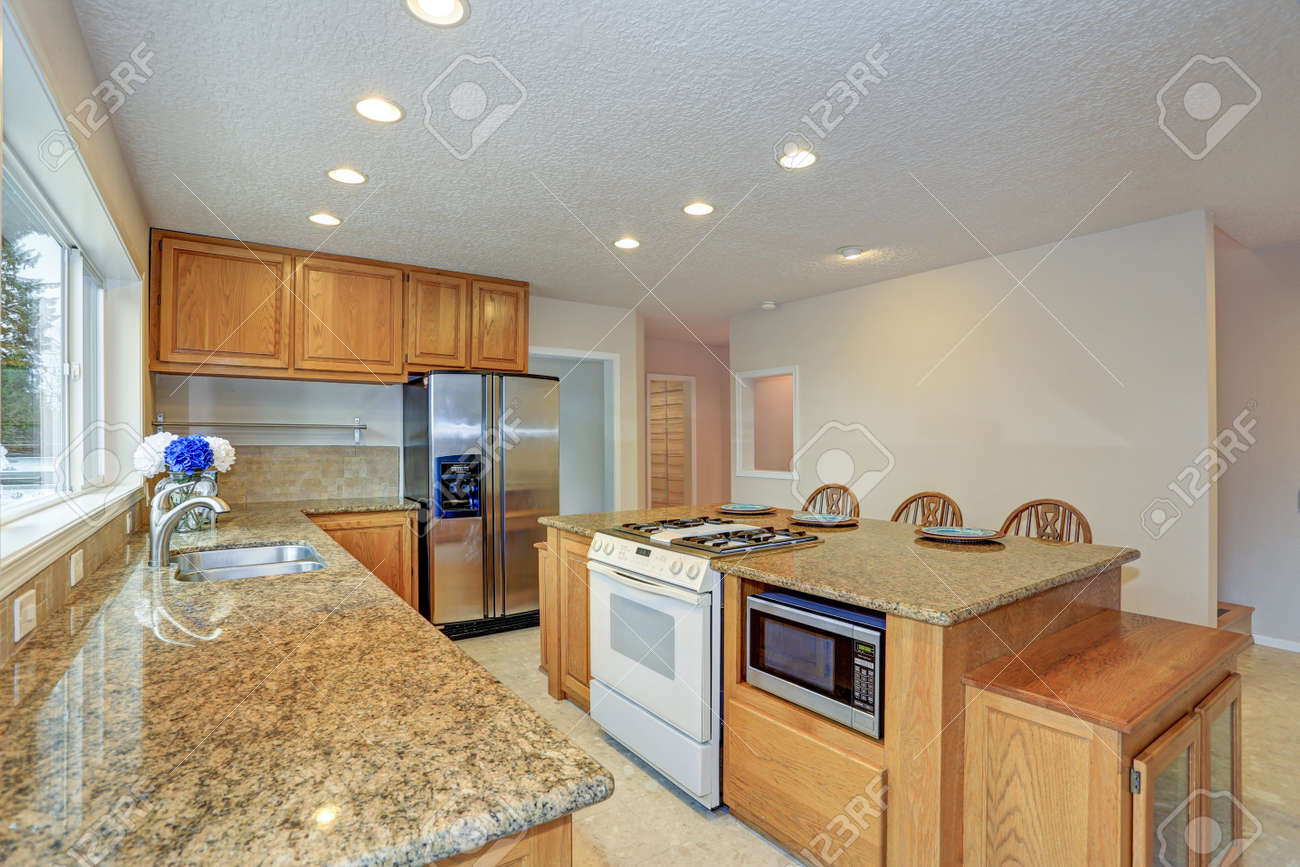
1018,115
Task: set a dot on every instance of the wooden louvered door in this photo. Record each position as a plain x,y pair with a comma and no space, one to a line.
671,440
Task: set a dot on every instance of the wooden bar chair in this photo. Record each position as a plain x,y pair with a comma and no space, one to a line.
832,500
929,509
1053,520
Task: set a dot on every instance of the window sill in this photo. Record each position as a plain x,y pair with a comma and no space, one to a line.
30,543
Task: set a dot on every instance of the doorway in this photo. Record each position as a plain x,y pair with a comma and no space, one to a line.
587,427
670,439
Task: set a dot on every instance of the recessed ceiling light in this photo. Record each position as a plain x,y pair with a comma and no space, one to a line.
627,243
768,305
324,219
698,209
379,110
346,176
441,13
795,157
851,252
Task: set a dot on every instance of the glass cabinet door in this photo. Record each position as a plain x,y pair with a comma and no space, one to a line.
1167,805
1223,832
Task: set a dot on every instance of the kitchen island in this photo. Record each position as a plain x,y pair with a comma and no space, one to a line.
310,717
828,793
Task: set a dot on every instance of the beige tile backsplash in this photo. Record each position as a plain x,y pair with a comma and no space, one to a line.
265,474
261,474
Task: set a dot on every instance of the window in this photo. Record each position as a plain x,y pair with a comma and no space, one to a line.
766,423
50,333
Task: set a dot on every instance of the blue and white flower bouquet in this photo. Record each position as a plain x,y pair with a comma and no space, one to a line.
192,462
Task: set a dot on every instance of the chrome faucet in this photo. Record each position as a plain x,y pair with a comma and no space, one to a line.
160,536
165,487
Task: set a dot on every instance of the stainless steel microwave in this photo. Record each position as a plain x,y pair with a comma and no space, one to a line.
827,658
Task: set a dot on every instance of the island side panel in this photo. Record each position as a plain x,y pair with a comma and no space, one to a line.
924,707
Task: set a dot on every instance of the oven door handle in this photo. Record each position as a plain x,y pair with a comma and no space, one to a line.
654,588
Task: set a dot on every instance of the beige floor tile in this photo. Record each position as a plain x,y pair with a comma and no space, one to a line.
648,822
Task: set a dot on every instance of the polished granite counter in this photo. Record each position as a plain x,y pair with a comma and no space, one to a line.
311,717
887,567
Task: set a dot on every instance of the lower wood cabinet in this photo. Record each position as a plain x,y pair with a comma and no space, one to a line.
548,845
1116,742
383,542
565,617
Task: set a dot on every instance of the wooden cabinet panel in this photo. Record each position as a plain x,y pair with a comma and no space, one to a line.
223,304
348,317
549,845
383,542
575,636
499,326
437,320
824,805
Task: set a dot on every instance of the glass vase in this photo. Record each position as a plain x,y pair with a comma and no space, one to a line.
202,484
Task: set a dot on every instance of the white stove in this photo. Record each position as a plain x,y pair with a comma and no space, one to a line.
656,640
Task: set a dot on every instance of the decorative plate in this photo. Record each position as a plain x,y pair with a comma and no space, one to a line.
822,519
746,509
959,534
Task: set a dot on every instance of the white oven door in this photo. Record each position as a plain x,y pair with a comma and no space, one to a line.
651,643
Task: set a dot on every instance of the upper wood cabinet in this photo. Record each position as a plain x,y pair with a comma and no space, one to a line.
223,304
348,316
437,320
499,326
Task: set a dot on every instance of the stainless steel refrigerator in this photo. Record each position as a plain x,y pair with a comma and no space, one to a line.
482,458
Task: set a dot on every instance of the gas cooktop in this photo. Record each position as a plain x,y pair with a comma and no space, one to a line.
714,536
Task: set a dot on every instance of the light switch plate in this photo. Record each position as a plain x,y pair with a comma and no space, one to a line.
24,614
76,567
130,521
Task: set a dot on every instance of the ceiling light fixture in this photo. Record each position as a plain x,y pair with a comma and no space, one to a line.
379,110
627,243
796,157
440,13
346,176
698,209
324,219
768,305
851,253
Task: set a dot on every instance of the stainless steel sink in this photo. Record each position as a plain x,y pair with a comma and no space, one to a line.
224,564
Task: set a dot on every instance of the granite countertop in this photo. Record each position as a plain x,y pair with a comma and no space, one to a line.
887,567
311,717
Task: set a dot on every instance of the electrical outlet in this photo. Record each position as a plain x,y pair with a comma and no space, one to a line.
76,567
24,614
130,521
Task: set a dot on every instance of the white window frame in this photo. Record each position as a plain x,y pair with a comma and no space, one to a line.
744,449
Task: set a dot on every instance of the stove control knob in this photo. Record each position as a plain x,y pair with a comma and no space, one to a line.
609,547
675,567
693,571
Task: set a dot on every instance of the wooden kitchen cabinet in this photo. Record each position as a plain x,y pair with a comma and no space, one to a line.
348,317
498,326
565,617
437,320
1091,751
223,305
383,542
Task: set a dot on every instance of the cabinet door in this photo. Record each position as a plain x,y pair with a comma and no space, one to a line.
1167,804
383,543
499,326
437,320
221,303
1227,830
575,639
348,317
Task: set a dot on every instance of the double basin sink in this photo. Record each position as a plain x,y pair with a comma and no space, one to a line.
224,564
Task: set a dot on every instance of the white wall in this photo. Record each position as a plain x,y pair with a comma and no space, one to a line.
586,455
1258,363
570,325
1020,410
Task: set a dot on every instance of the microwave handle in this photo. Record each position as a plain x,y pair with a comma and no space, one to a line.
651,587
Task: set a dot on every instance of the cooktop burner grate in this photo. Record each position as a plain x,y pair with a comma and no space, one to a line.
648,527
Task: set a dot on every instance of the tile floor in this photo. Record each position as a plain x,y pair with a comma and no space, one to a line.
646,822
